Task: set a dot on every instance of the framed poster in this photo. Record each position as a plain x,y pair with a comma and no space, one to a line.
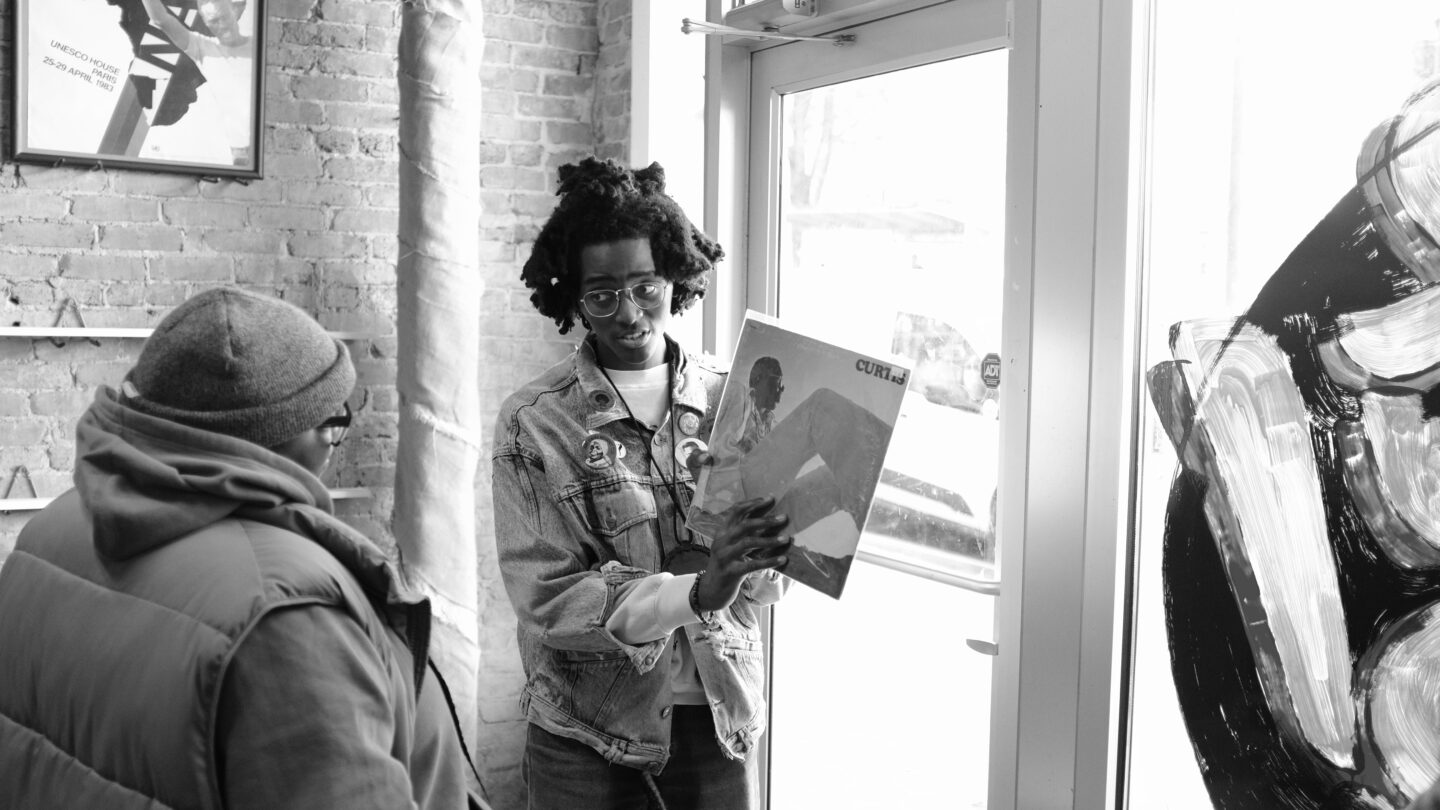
161,85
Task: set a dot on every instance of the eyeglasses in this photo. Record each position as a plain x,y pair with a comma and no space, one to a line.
604,303
338,426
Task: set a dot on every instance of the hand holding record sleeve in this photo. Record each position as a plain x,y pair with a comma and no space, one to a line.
750,541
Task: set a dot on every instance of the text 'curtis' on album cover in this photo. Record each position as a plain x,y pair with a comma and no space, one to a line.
808,422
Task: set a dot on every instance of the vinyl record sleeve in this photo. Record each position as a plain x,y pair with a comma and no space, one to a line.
808,422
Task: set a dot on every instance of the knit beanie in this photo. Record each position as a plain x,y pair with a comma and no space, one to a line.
246,365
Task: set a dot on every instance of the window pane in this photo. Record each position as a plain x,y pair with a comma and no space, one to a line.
891,240
891,232
1260,111
861,719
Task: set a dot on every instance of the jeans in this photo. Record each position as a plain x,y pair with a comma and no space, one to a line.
564,774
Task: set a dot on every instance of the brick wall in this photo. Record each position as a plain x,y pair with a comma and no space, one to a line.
319,231
612,102
546,59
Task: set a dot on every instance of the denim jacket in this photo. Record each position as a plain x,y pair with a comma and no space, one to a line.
583,511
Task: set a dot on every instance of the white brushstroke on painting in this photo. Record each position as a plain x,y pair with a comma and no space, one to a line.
1404,715
1407,459
1415,178
1392,532
1256,421
1347,373
1397,340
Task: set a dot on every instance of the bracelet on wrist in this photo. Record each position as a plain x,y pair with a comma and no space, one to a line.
695,595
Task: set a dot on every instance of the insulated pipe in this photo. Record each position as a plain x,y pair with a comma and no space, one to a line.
438,327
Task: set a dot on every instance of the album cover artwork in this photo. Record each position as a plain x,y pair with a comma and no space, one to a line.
808,422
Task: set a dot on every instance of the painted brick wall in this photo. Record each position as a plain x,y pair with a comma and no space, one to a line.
612,102
319,231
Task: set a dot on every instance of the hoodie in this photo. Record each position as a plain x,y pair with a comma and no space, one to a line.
190,626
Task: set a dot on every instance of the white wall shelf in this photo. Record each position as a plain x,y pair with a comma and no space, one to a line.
138,333
35,504
350,493
23,504
72,331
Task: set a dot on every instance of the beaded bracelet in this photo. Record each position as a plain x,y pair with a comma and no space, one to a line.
695,595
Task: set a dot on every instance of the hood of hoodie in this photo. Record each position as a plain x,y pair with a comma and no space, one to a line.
147,482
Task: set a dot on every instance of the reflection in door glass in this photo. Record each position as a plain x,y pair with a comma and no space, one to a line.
891,240
891,228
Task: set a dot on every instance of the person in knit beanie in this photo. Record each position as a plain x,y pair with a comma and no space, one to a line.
191,626
245,365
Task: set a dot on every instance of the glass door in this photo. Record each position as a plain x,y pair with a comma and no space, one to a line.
878,206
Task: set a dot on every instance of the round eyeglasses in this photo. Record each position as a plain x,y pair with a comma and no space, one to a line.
338,426
604,303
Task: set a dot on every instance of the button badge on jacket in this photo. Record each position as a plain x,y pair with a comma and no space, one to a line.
601,452
689,423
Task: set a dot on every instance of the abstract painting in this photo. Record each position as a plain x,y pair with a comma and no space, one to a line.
1301,559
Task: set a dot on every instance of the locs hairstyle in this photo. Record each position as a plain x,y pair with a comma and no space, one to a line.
602,201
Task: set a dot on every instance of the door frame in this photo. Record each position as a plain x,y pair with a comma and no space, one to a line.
1068,423
946,31
1069,441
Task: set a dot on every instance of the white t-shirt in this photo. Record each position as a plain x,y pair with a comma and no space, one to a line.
660,604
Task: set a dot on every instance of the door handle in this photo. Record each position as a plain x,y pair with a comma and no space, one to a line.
983,647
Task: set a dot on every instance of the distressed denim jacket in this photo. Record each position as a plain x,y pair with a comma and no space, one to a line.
583,511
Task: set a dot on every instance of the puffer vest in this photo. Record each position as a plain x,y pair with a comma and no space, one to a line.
186,605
